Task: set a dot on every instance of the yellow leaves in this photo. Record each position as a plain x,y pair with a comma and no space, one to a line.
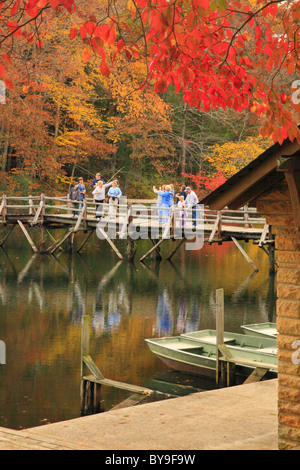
131,8
137,111
231,157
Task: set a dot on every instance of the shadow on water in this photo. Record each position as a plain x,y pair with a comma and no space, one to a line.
43,299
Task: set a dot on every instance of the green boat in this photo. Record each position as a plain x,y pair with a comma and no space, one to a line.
265,330
199,358
264,346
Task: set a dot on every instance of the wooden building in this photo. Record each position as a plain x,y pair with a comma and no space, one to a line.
272,184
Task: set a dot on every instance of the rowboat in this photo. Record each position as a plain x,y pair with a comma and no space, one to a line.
199,358
264,346
266,330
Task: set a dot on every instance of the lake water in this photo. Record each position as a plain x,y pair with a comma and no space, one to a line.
43,299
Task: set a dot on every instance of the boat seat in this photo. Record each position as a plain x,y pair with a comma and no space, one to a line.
212,339
231,342
269,350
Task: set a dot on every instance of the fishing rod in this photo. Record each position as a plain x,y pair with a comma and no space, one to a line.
112,178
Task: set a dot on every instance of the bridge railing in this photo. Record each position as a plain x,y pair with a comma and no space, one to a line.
40,207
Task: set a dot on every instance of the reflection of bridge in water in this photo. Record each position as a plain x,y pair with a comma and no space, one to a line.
112,297
134,220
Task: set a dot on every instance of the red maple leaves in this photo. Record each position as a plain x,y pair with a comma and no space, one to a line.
229,54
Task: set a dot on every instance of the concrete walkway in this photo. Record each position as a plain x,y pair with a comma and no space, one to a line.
236,418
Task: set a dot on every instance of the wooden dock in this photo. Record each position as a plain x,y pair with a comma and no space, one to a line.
234,418
134,220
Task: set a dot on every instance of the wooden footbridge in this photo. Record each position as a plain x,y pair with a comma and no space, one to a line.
134,219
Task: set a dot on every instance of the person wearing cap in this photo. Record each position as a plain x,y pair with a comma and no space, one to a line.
96,180
191,202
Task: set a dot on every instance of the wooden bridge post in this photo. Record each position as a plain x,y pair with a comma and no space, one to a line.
225,370
43,210
246,216
29,239
7,236
271,250
84,213
131,249
220,225
220,370
4,202
31,209
131,244
244,254
90,392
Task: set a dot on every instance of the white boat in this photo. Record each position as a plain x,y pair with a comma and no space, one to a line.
266,330
199,357
262,345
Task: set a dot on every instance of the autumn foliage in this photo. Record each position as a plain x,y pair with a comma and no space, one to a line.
214,52
226,55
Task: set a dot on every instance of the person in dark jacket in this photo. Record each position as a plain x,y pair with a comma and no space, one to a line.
96,180
182,193
74,196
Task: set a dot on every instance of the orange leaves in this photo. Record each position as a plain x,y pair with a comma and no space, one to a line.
86,54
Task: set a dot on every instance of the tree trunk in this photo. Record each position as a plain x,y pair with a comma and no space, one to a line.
5,154
183,144
57,119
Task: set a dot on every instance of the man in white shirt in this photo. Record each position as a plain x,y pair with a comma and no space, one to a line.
191,202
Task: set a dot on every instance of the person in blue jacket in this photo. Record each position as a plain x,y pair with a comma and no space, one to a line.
114,193
166,203
82,193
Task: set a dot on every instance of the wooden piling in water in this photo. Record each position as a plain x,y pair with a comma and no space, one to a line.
244,254
220,370
131,249
29,239
226,363
7,235
90,392
90,389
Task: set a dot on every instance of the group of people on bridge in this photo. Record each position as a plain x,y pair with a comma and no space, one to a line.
78,194
186,198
